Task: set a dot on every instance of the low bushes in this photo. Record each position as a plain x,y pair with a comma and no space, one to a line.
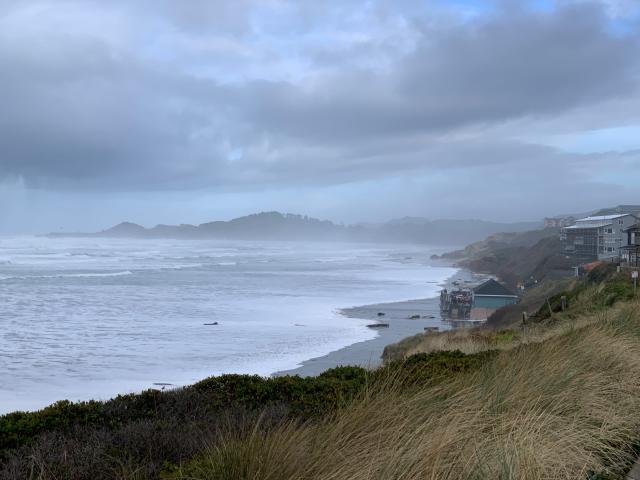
304,396
601,288
424,369
150,431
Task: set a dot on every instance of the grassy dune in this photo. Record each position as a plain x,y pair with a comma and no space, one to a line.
563,408
559,401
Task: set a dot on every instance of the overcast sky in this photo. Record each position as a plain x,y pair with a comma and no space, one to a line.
161,111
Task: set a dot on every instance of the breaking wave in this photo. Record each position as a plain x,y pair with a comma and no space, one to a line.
67,275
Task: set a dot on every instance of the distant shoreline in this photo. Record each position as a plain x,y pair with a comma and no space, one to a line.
368,353
266,226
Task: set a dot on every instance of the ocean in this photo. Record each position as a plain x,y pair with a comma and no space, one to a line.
88,318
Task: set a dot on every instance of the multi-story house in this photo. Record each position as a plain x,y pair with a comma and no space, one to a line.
598,237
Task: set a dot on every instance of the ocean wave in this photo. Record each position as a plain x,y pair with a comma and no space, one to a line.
104,274
66,275
179,267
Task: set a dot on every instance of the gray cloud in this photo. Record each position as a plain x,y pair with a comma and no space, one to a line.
250,95
505,68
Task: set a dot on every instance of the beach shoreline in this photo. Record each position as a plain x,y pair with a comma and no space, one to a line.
368,353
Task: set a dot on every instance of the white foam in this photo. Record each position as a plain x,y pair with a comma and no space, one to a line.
90,275
93,339
67,275
181,267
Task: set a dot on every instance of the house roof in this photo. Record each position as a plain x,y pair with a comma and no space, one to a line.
632,228
590,224
600,218
597,221
491,287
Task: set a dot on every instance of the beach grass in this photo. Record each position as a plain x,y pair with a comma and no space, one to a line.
566,407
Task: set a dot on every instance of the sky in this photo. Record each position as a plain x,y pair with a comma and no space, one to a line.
186,111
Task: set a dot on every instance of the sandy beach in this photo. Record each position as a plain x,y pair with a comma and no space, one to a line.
398,315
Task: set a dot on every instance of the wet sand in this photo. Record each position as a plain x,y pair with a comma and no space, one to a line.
397,314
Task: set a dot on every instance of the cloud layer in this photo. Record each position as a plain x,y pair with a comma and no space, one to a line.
281,100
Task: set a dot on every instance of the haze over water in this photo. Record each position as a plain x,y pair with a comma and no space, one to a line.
91,318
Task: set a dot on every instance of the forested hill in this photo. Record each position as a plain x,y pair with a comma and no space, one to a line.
279,226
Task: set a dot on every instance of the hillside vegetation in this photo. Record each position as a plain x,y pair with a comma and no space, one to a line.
558,399
517,258
140,435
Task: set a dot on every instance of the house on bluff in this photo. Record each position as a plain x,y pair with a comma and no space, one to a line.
597,237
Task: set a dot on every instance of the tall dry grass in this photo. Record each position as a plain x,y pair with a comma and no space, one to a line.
553,409
474,340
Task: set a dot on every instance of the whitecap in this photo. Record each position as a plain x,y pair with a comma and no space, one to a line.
181,267
66,275
104,274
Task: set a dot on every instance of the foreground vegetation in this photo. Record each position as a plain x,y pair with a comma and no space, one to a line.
556,399
141,435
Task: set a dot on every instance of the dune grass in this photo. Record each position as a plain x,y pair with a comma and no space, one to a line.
137,436
585,301
563,407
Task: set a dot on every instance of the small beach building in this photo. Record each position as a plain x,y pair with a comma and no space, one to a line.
493,295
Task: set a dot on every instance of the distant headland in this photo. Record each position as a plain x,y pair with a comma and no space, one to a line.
287,226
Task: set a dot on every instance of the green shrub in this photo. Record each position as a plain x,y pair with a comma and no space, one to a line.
428,368
601,273
303,397
18,427
504,336
601,288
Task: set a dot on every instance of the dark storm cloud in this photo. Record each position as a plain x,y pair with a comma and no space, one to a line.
504,68
86,113
87,109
